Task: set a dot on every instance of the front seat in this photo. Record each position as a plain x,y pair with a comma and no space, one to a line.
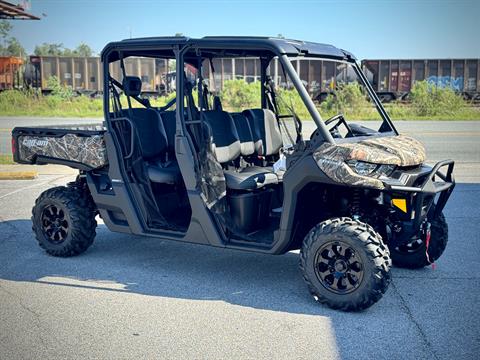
152,138
266,134
265,130
249,178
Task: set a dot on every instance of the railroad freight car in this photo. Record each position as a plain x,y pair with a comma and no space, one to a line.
85,74
10,75
82,74
318,76
393,79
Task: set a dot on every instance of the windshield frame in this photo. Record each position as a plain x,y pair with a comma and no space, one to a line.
286,62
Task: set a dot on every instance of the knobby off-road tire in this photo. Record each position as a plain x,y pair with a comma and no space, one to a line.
63,220
345,264
415,257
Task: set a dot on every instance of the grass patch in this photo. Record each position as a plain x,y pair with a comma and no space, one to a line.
427,103
399,111
18,103
6,159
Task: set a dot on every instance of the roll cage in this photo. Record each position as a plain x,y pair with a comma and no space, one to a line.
188,50
187,148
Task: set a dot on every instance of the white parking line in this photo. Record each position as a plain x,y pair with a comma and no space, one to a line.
31,186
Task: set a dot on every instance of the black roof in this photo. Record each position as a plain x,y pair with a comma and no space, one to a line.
224,46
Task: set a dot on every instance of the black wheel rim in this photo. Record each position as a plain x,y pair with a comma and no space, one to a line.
338,267
54,224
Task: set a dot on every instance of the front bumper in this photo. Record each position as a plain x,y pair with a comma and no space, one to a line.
430,185
421,189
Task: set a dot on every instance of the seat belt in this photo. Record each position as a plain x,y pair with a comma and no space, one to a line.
271,97
205,93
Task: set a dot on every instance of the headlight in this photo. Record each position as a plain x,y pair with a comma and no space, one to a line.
368,169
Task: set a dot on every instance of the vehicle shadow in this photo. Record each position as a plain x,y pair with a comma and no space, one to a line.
129,264
149,266
155,267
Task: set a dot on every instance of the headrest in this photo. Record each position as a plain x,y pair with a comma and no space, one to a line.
132,85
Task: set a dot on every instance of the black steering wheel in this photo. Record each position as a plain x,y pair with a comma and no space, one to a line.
340,120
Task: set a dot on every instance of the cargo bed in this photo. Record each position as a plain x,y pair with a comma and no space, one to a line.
81,148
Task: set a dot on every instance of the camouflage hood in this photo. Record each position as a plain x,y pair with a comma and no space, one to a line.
393,150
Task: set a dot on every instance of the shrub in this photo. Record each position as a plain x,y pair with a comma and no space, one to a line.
59,90
350,100
290,99
238,94
430,100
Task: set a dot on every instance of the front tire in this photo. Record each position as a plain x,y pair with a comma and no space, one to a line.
414,255
63,220
345,264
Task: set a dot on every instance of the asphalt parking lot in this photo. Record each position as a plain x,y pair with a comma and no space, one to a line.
134,297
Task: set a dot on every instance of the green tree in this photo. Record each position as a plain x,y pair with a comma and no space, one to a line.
83,50
49,49
10,46
5,28
14,48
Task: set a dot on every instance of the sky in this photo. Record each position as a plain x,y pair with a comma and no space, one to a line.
367,28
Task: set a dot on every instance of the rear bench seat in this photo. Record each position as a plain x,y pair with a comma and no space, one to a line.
152,137
248,133
245,136
169,121
228,146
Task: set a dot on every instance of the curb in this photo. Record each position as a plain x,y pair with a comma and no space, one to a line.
18,175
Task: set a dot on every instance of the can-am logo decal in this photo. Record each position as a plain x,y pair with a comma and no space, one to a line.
35,142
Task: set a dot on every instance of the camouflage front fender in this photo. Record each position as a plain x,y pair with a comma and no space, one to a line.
393,150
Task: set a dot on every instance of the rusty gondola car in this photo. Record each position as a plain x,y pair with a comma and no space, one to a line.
85,75
393,79
9,72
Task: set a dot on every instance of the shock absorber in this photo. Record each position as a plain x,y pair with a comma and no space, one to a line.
355,203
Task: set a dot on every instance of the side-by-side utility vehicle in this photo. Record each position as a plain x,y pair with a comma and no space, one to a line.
202,168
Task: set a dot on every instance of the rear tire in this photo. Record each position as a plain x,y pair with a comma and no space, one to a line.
417,258
345,264
63,220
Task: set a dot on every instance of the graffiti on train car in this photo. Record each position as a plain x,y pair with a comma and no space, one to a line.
447,81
